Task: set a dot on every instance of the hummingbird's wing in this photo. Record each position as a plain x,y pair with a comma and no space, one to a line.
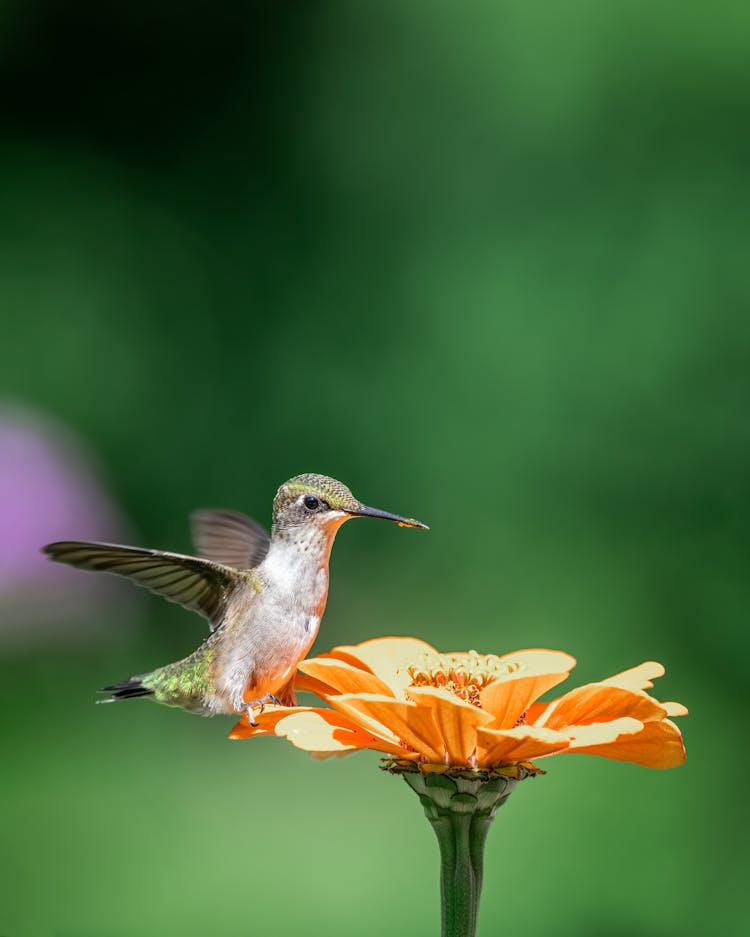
230,538
196,584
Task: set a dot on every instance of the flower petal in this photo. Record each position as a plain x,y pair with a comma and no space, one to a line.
540,660
653,745
509,697
596,702
324,731
266,720
675,709
457,721
507,746
402,723
341,677
305,684
387,658
637,678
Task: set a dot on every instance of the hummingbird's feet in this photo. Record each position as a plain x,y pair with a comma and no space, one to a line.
261,701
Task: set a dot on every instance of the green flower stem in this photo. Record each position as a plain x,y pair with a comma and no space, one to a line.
461,809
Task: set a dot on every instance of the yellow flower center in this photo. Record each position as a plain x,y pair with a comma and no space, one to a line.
464,673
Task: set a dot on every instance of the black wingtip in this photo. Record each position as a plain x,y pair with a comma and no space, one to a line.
58,550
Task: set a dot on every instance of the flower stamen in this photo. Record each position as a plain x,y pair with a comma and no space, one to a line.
464,674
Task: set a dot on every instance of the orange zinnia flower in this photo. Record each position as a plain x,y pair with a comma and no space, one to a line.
469,711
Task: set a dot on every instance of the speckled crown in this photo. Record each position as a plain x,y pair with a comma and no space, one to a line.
329,489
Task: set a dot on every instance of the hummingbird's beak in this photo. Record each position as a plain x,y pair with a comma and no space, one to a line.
364,511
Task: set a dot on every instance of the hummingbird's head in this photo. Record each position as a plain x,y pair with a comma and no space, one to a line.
325,502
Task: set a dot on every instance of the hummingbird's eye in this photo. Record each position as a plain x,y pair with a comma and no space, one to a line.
311,503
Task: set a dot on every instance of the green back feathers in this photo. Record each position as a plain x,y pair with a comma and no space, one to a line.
183,683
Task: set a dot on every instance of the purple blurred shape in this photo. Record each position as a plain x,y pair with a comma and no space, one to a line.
49,490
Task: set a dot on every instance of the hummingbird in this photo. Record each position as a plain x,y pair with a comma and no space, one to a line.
263,595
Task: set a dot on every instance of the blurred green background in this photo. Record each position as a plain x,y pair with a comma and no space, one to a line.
487,264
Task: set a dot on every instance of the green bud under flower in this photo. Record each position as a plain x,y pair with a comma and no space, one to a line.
461,807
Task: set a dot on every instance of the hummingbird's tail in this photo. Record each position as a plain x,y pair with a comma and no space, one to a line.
128,689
